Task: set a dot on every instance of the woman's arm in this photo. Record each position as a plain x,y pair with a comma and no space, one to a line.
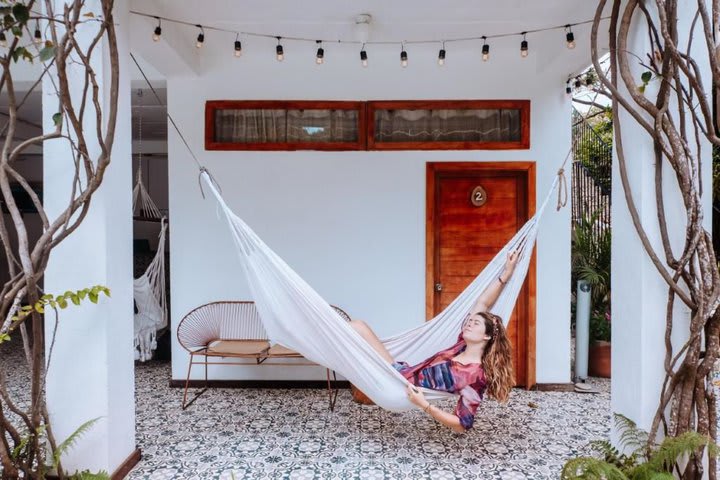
447,419
490,295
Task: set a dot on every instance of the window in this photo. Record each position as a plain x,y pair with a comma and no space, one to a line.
278,125
465,125
374,125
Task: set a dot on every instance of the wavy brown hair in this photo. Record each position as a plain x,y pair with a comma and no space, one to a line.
497,359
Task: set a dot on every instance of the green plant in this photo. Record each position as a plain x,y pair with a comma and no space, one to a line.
600,327
591,247
645,461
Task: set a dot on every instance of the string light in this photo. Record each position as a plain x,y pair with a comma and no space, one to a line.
279,54
569,37
3,40
441,55
524,46
238,46
38,35
524,50
403,56
363,56
200,37
157,32
320,55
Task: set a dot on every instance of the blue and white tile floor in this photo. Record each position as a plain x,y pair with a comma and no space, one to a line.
291,434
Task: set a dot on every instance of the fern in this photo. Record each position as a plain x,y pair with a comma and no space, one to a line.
87,475
631,437
655,463
674,447
72,440
591,469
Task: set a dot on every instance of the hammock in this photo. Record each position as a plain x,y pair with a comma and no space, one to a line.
143,205
299,318
149,294
149,289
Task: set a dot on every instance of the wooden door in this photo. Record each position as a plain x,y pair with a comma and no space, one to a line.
462,238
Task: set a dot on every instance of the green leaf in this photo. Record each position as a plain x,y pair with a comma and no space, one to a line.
641,88
646,77
106,291
40,308
28,56
93,297
75,299
72,440
62,302
26,308
47,296
4,337
21,12
47,53
17,53
82,294
57,119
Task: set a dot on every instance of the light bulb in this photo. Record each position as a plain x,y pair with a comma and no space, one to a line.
570,39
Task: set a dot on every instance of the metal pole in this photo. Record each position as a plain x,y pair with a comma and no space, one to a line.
582,330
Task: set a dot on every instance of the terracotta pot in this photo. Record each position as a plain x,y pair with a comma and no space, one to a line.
359,397
599,360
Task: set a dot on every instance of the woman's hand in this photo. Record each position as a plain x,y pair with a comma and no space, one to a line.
416,397
510,264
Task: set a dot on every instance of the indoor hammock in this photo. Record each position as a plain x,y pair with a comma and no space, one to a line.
296,316
149,289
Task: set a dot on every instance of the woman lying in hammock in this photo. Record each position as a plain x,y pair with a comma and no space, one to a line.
481,359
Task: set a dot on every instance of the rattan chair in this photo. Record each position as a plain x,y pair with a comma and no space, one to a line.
232,329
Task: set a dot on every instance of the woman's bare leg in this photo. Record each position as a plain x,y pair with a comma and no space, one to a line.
366,332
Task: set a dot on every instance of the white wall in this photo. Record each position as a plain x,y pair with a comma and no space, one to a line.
639,299
353,223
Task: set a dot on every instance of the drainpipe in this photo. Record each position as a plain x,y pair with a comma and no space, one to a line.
582,330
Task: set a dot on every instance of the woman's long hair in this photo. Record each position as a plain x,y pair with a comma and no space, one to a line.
497,359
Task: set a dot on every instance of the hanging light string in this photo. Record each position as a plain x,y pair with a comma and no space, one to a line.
567,27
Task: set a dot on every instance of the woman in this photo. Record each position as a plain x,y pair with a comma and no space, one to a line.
480,360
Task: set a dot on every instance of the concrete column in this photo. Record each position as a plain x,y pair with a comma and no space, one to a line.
639,294
91,373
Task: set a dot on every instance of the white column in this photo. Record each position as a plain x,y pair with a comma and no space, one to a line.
639,294
91,373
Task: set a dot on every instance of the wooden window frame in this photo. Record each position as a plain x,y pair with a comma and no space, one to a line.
211,106
366,124
522,105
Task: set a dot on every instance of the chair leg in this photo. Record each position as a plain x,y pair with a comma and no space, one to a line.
332,392
185,403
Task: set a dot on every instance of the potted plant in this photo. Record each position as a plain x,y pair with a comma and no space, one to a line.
599,354
591,243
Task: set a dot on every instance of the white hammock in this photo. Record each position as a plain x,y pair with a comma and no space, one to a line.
143,205
149,293
296,316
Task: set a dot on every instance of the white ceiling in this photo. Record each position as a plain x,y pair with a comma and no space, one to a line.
393,20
